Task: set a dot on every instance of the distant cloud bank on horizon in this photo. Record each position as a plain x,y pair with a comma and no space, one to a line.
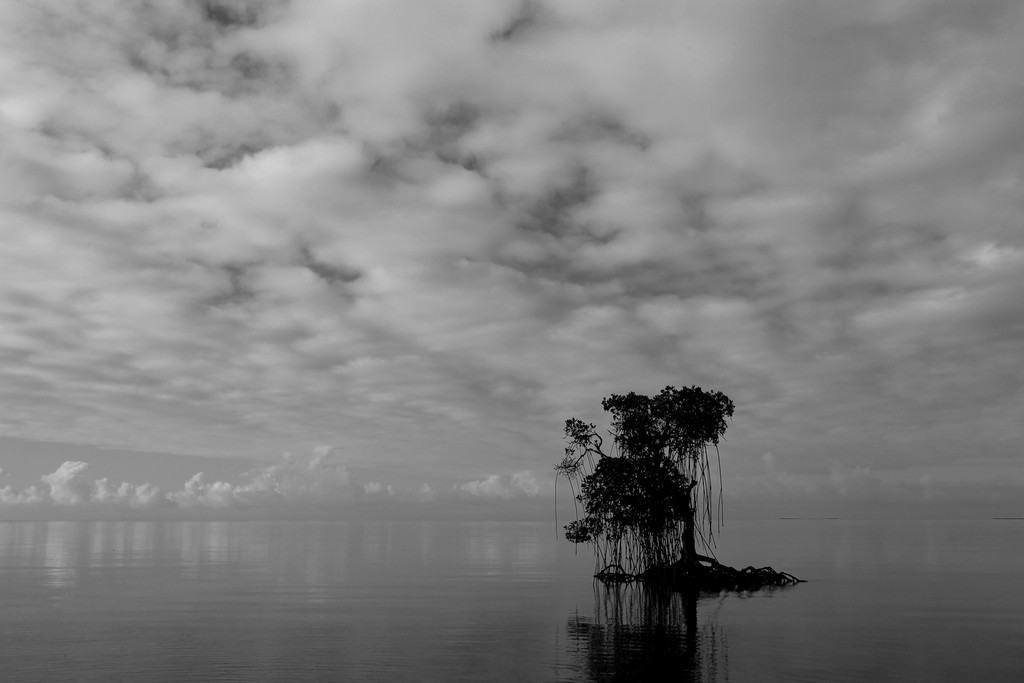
315,480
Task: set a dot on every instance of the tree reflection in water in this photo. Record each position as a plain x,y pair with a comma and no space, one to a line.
639,634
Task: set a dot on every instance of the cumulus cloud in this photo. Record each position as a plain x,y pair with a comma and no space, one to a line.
375,488
134,495
438,232
312,479
11,496
317,482
515,485
68,486
291,481
199,492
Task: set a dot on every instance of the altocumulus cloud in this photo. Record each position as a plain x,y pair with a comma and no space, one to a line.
435,231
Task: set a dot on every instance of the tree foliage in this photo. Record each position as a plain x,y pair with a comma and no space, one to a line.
646,496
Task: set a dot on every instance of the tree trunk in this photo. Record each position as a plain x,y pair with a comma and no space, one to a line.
689,540
689,534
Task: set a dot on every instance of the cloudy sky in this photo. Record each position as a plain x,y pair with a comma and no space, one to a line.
336,251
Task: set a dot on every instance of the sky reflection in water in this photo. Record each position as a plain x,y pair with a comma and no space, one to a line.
256,601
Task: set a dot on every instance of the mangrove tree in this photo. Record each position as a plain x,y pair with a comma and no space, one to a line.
650,504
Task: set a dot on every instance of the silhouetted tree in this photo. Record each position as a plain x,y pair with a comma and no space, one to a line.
647,497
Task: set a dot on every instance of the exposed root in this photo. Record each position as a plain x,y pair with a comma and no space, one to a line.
703,574
614,573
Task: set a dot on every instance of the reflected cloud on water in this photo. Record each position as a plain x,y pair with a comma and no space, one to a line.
639,634
311,554
63,554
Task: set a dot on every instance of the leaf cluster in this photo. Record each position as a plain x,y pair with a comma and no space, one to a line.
647,495
674,422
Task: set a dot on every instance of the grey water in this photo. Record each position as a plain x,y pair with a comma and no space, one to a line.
393,601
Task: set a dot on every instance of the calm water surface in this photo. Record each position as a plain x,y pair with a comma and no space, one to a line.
331,601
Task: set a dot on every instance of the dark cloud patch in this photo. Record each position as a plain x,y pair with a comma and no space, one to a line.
383,167
252,68
438,140
496,393
690,259
708,272
528,17
550,230
937,18
695,211
189,51
857,240
236,14
553,213
447,127
597,127
140,186
851,294
223,155
470,162
237,290
330,273
444,128
234,74
166,42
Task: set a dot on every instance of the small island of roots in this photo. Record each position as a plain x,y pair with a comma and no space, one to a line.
647,497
